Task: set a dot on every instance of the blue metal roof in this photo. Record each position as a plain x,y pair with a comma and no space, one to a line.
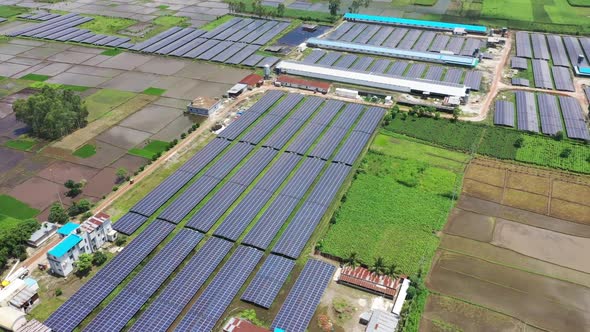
584,71
422,23
65,245
68,228
394,52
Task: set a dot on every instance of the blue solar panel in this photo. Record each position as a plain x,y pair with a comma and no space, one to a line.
189,46
126,304
262,128
205,156
328,112
286,105
305,139
184,203
74,310
352,147
242,55
229,161
162,193
308,108
210,306
170,48
160,315
269,280
303,299
254,166
129,223
328,143
303,178
325,190
281,136
155,39
206,216
273,178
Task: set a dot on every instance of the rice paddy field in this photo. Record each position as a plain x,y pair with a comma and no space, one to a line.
381,215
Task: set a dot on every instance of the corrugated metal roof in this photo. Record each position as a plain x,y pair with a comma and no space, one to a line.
421,23
67,228
382,321
364,278
65,245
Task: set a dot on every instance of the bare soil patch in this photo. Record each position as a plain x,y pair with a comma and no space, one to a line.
482,190
12,128
489,175
10,158
38,192
123,137
151,118
531,183
102,183
526,201
471,225
570,211
175,128
61,171
573,192
129,162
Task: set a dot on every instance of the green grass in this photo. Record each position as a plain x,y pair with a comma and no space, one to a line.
103,101
24,144
107,25
35,77
579,3
85,151
397,202
214,24
112,52
152,148
9,11
304,15
7,222
169,20
13,208
163,7
76,88
154,91
41,85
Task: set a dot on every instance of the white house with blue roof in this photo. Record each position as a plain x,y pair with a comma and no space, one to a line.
84,238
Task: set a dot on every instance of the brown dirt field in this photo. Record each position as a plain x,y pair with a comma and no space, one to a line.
102,183
487,208
572,192
532,309
61,171
489,175
561,249
470,225
510,258
105,155
526,201
464,317
527,182
38,192
482,190
565,293
131,163
570,211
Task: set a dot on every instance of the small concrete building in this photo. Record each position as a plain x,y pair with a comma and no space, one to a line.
42,234
236,90
382,321
20,294
204,106
85,238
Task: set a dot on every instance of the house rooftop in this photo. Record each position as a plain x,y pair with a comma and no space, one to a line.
46,228
412,22
68,228
65,245
363,278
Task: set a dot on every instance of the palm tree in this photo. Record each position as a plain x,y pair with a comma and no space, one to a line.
352,260
393,271
378,266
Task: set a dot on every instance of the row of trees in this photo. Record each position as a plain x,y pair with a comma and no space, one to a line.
258,9
86,261
13,241
379,266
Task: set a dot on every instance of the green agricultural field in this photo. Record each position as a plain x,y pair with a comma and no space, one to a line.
112,52
154,91
399,200
35,77
9,11
151,149
86,151
24,144
107,25
12,207
104,101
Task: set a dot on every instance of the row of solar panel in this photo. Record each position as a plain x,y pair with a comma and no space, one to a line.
470,78
404,38
247,30
188,42
545,78
548,112
564,51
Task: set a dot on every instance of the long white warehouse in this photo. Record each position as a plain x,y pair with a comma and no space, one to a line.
393,83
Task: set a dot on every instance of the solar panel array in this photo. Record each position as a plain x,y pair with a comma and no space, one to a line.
303,299
208,308
404,38
573,116
395,68
519,63
504,113
549,114
137,292
68,316
520,81
269,280
129,223
563,79
523,45
526,111
161,313
542,74
233,42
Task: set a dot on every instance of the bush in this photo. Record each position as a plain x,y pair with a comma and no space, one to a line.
58,292
115,188
121,240
98,258
81,206
183,136
566,153
83,265
87,215
519,143
57,214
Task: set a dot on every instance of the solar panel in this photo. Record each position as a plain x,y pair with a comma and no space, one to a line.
222,27
118,42
314,56
235,29
160,315
136,293
246,31
520,81
269,280
453,75
207,215
395,37
370,120
229,160
504,113
586,92
210,306
259,32
215,50
184,203
454,45
523,45
416,70
340,30
381,36
526,111
330,58
268,61
470,46
434,73
346,61
266,101
129,223
308,108
585,42
573,116
367,34
155,39
519,63
328,143
83,37
355,31
439,43
286,105
303,178
189,46
352,147
254,166
300,305
229,52
558,55
281,136
277,173
75,33
202,158
563,79
202,48
362,63
574,50
253,60
542,74
424,41
409,39
162,193
398,68
262,128
380,66
549,114
57,27
269,35
179,43
473,80
540,49
305,139
31,30
68,316
242,55
105,41
328,112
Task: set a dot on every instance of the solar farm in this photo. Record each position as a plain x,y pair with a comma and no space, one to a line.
288,153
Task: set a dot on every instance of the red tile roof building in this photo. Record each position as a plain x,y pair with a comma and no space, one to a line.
362,278
252,80
295,82
240,325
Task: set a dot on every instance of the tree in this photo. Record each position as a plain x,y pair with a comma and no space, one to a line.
565,153
83,265
357,4
79,207
519,143
121,174
393,271
75,188
98,258
456,113
241,7
352,260
378,266
13,239
334,6
121,240
57,214
280,10
52,113
559,135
